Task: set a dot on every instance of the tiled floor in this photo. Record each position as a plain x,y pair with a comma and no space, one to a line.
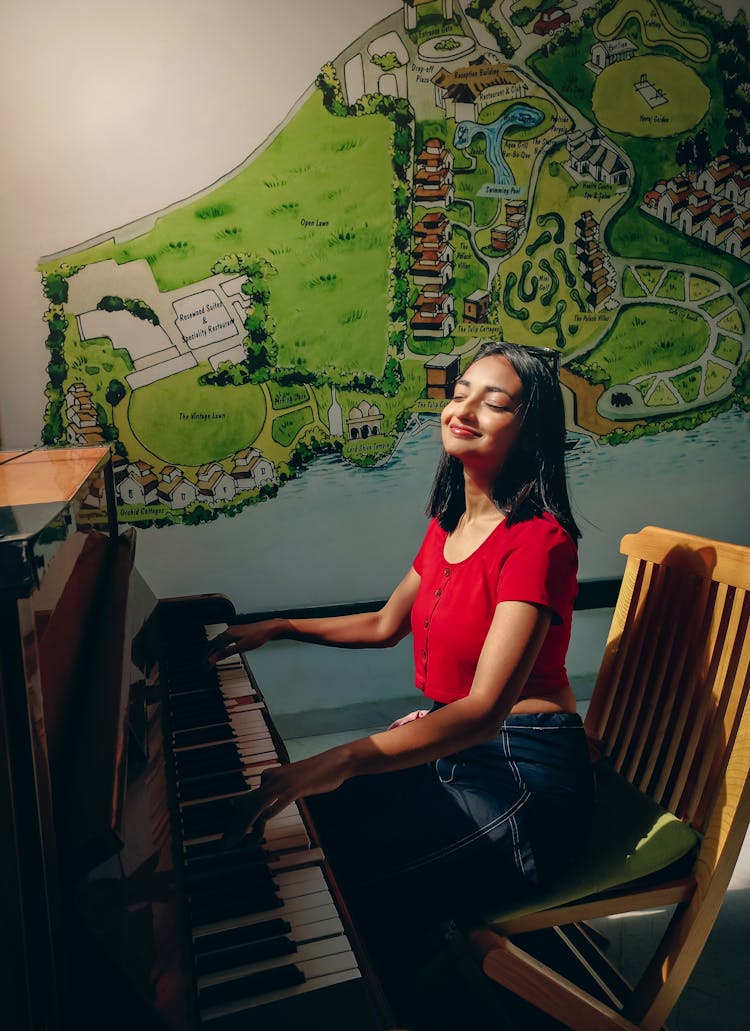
717,993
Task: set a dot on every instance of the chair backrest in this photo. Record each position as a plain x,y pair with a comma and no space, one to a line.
670,712
668,705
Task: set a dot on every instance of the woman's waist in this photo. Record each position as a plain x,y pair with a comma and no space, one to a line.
536,746
561,700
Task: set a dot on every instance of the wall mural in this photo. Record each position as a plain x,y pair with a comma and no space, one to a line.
575,177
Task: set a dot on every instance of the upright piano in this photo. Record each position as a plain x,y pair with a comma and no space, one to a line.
120,754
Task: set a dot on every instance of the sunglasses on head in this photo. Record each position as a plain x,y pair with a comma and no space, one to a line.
548,355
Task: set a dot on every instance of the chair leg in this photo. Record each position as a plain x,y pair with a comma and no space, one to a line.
538,984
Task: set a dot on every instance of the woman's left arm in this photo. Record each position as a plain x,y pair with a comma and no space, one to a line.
516,635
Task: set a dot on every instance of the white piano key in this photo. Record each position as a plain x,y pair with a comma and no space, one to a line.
229,675
244,738
239,702
314,905
278,831
238,721
313,983
297,932
232,667
292,825
306,953
235,694
286,861
213,629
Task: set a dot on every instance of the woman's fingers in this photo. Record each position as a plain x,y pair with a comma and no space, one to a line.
245,818
250,812
221,646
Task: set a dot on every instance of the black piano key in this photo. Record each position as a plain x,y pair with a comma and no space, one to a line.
212,910
182,682
210,758
249,985
194,694
206,818
231,783
248,867
239,955
239,881
206,715
181,689
211,849
188,738
233,936
195,687
215,863
197,707
202,765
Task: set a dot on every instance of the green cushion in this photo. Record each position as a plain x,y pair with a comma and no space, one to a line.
631,837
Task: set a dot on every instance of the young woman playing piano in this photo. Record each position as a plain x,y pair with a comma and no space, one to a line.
483,797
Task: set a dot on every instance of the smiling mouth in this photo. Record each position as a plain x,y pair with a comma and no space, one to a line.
462,431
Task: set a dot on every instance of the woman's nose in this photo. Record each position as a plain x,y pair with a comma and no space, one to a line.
465,408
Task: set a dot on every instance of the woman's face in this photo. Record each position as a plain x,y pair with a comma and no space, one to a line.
483,419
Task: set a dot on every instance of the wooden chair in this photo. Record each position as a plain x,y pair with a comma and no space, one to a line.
669,715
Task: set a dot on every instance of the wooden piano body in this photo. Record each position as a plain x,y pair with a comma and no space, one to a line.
119,757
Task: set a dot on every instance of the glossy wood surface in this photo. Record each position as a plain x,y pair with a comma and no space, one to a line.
42,476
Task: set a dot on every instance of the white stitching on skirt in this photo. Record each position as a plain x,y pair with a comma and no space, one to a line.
469,839
509,757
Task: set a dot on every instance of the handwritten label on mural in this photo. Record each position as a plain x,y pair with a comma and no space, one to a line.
203,319
506,190
486,329
203,416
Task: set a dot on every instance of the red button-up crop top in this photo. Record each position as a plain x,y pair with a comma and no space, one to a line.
534,560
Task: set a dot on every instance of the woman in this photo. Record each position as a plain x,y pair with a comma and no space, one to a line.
481,799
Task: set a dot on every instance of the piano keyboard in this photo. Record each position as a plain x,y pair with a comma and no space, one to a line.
264,924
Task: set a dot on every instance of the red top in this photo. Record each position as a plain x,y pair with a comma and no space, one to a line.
534,561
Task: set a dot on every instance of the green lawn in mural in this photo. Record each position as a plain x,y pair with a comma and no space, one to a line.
318,203
286,427
658,27
728,348
679,96
583,186
651,338
285,397
187,424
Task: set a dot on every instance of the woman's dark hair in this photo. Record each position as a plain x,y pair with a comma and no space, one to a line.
533,477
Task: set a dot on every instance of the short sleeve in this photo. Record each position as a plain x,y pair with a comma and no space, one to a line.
541,568
428,545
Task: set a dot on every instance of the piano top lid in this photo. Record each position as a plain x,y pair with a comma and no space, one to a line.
43,476
36,487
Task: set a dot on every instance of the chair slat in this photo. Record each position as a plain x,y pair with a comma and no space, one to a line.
602,698
674,703
675,617
703,703
683,729
628,648
729,695
639,678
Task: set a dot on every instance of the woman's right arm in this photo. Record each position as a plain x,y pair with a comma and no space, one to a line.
379,629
